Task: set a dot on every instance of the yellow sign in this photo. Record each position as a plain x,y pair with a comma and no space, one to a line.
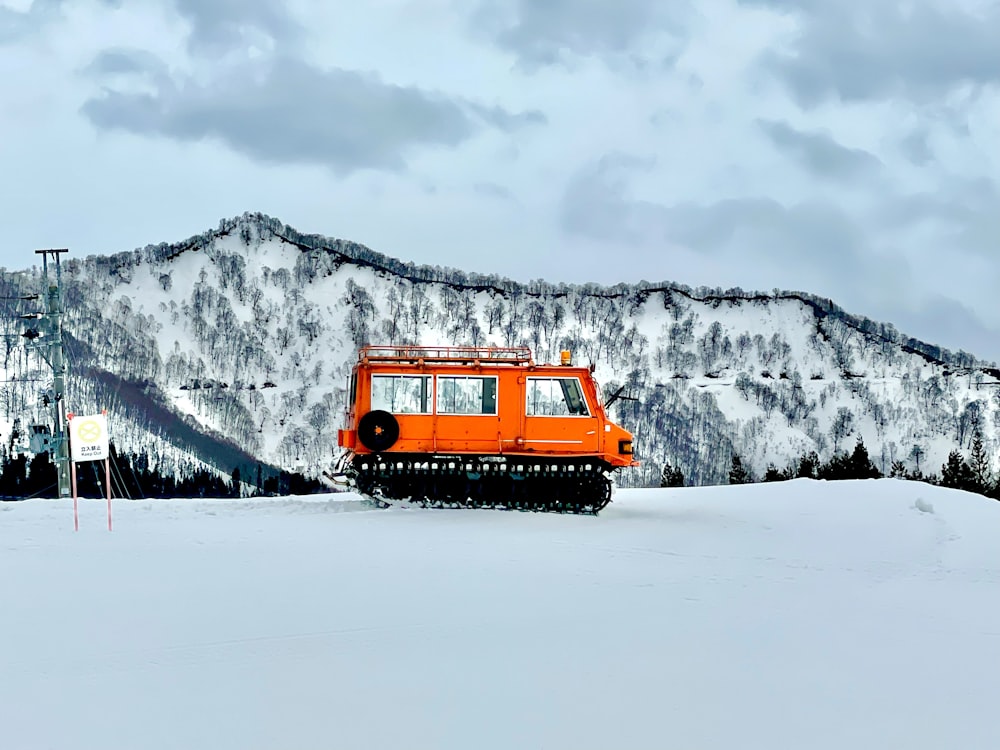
88,437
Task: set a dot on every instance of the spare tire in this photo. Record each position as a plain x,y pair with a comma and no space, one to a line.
378,430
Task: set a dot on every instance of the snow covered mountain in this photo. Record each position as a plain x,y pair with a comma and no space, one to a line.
233,347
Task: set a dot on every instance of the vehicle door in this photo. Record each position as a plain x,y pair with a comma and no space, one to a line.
557,418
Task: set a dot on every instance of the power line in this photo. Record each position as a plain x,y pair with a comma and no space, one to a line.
116,475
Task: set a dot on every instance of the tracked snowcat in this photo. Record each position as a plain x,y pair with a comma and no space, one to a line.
479,427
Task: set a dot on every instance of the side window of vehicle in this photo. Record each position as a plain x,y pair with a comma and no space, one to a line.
555,397
402,394
460,394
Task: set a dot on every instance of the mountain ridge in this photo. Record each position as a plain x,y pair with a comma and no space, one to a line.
473,281
255,301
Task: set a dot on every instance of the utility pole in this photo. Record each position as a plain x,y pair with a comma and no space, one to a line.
57,361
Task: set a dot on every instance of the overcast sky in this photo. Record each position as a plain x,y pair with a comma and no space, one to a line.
848,148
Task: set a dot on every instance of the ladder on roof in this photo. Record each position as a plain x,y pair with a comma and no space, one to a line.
451,354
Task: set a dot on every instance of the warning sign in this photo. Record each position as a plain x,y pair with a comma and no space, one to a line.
88,437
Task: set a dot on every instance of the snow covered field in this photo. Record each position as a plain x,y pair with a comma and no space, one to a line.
796,615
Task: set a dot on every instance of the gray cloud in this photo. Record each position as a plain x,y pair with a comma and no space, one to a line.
961,214
816,241
916,148
540,33
493,190
219,25
819,152
596,204
507,121
816,238
125,61
216,25
288,112
877,50
15,24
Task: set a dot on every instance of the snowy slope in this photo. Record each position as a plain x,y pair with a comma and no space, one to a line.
794,615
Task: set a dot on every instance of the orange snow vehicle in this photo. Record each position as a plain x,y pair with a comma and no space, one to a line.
479,427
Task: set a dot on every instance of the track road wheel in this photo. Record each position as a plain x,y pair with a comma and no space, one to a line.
601,493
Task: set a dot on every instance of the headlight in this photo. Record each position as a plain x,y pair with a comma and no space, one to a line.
625,446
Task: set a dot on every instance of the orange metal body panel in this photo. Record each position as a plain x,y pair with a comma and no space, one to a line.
508,431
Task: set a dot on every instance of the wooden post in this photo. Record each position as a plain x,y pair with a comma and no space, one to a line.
72,473
76,512
107,481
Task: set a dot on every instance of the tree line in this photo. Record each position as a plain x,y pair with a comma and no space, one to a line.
134,476
972,474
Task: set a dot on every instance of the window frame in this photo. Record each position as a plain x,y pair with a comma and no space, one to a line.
579,385
496,395
427,394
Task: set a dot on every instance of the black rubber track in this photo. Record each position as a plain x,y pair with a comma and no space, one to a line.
576,486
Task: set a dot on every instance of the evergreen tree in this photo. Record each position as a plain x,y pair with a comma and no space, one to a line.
738,474
956,473
979,463
774,474
14,476
834,469
671,477
808,465
859,465
41,481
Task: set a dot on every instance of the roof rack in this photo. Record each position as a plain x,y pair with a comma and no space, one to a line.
454,354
